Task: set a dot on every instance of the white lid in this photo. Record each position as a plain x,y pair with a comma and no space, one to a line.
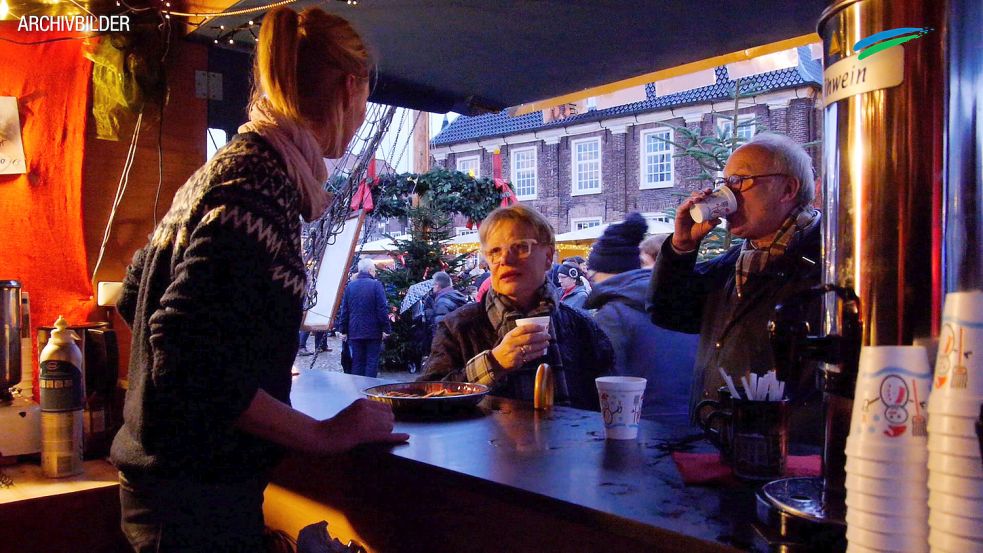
61,335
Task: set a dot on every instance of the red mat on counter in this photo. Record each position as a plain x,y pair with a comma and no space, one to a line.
705,469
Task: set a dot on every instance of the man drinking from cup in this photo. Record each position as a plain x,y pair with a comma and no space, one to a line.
729,300
490,342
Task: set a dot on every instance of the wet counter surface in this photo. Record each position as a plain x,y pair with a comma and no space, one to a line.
554,464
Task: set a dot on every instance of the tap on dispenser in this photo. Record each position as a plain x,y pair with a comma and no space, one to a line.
806,509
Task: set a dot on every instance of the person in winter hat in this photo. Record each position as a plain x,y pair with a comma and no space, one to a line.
571,290
663,357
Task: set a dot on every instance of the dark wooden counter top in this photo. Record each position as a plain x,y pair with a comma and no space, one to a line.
527,464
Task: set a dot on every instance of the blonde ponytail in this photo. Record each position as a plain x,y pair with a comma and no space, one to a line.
302,62
275,71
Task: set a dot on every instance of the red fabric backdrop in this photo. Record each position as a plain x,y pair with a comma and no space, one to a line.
41,233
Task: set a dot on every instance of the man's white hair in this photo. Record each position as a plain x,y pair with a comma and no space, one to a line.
366,265
789,158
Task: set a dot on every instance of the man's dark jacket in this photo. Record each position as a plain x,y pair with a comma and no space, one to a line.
364,312
663,357
447,302
702,298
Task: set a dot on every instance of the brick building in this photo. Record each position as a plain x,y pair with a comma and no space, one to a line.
595,167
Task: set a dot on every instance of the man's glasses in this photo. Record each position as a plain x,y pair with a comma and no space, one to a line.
520,249
737,182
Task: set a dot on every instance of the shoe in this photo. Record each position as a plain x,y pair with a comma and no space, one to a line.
322,350
302,352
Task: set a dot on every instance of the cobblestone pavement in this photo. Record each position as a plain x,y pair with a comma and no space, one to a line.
331,361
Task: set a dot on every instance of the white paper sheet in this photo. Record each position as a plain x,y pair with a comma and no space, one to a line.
12,160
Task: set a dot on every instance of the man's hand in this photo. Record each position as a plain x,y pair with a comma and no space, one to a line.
521,345
688,233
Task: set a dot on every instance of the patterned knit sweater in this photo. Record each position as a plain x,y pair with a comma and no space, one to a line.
214,301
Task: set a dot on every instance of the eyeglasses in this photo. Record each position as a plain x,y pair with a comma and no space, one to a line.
736,182
520,249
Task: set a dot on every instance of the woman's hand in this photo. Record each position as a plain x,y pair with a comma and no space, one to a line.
688,233
521,345
363,422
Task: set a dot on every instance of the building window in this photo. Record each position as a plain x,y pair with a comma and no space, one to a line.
656,169
214,139
585,222
470,165
586,166
524,178
745,127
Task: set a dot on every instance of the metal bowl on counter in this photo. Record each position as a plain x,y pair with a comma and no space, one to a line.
428,397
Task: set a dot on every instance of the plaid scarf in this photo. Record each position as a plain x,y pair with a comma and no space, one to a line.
502,312
755,260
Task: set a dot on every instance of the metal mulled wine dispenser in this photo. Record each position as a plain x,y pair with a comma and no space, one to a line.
882,193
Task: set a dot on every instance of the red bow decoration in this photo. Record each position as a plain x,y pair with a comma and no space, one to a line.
363,196
507,197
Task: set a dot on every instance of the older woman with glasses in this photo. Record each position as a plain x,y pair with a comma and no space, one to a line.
481,343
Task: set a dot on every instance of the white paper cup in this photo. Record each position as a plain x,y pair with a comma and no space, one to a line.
955,465
959,364
913,452
886,524
966,405
970,488
621,405
948,503
954,445
963,526
892,506
883,487
952,425
891,395
721,203
944,541
541,321
903,472
886,542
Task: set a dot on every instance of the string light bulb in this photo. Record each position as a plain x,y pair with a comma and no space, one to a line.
232,41
251,23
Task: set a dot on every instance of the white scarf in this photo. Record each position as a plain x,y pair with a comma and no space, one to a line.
299,150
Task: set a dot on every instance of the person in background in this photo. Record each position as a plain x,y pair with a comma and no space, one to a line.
483,276
581,264
215,303
446,298
571,291
650,249
363,319
729,300
663,357
481,342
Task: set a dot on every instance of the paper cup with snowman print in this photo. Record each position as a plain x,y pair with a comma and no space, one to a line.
889,407
959,364
621,405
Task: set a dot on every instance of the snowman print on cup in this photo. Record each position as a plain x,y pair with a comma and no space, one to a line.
895,395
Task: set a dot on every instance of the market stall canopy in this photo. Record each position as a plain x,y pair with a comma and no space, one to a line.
477,56
386,245
593,233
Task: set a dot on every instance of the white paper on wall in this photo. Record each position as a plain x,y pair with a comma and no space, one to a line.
12,160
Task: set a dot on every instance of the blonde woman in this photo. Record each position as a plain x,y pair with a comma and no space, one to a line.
214,301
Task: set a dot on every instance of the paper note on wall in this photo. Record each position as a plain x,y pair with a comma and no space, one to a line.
11,149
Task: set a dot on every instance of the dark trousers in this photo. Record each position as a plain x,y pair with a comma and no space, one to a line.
177,515
365,356
320,339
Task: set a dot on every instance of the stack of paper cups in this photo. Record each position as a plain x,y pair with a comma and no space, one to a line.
955,472
886,472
